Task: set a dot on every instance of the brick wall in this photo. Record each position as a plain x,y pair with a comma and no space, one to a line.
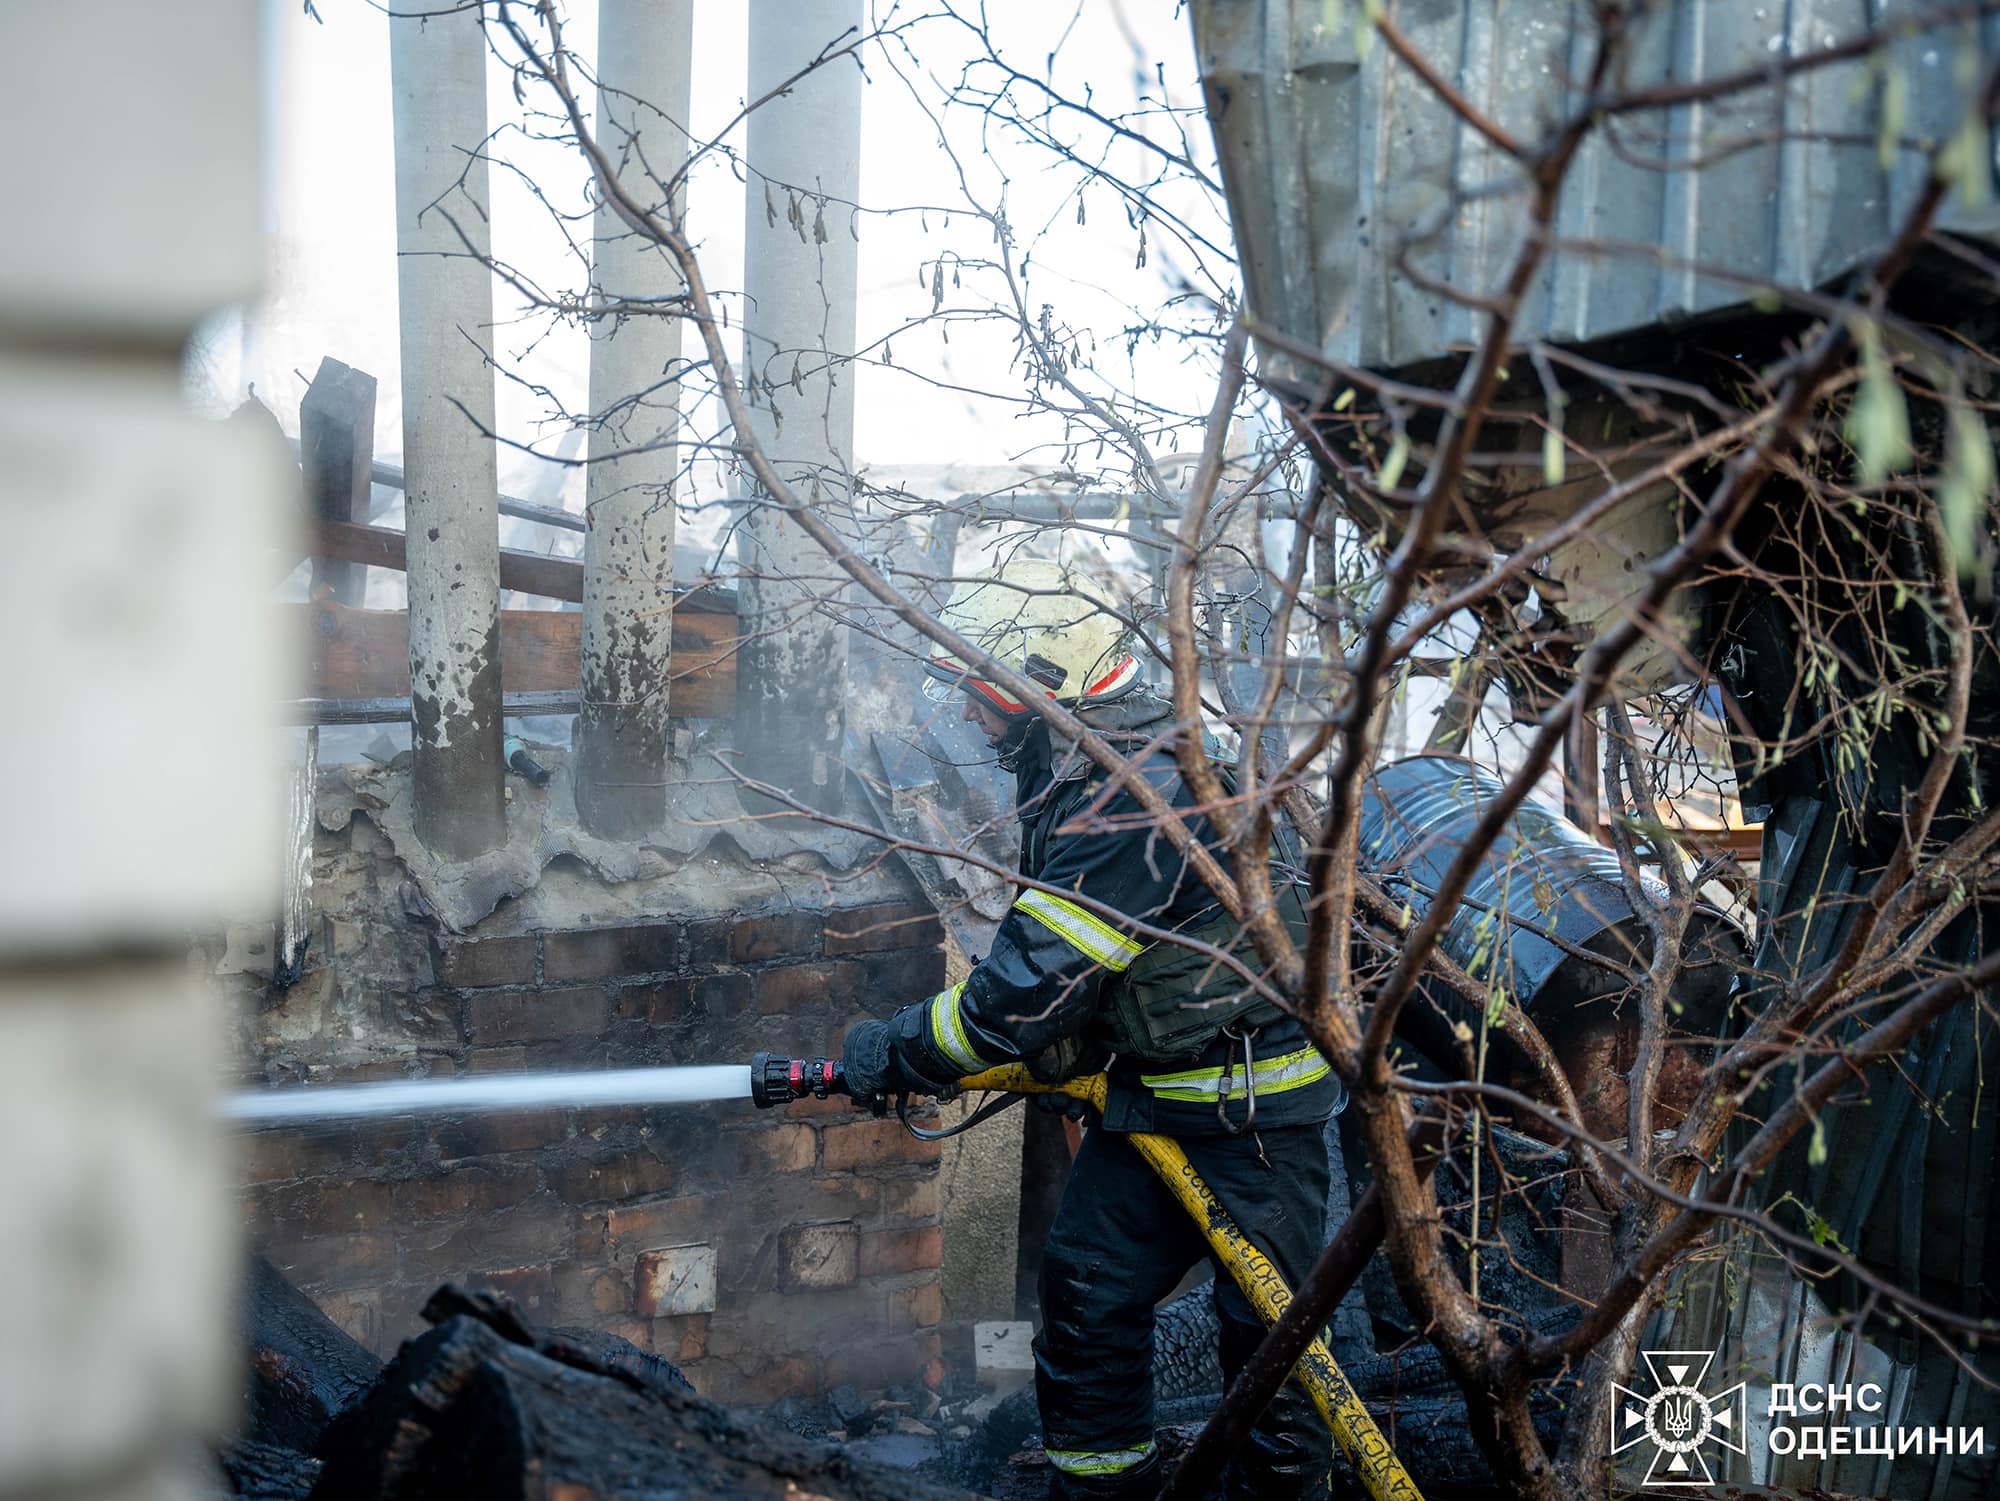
768,1251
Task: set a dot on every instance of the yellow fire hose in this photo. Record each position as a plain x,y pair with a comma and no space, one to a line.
1339,1404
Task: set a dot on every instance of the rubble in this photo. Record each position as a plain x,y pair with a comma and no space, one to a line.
487,1405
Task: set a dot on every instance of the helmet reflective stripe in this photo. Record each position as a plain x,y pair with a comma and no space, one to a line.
1097,1461
1203,1086
948,1030
1083,930
954,675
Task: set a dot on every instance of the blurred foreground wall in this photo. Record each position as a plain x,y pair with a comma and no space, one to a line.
137,667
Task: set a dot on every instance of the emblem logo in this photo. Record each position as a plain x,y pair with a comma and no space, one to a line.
1678,1418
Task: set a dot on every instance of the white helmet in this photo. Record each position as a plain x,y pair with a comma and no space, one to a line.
1045,622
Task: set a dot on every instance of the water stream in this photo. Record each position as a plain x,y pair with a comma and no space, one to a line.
626,1086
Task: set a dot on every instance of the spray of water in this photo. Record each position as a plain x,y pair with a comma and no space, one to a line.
628,1086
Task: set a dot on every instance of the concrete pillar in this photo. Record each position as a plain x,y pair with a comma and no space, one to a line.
645,50
142,793
803,153
445,308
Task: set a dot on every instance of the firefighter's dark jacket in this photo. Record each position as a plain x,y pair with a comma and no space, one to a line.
1057,962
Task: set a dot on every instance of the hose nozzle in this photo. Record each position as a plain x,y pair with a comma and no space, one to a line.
777,1080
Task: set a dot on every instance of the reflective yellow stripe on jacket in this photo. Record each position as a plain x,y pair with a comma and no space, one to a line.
948,1030
1203,1086
1081,929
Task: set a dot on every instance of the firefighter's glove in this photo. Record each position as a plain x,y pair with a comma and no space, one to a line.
1057,1103
869,1062
1064,1059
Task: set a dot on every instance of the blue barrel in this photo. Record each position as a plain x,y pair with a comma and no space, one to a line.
1544,916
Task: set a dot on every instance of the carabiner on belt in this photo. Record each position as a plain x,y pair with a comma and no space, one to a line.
1248,1037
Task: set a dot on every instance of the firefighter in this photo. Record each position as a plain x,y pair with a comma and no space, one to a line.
1191,1052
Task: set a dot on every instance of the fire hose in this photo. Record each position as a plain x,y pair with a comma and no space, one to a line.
778,1081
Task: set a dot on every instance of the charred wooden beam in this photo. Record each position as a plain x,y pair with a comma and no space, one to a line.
304,1370
483,1405
310,711
385,547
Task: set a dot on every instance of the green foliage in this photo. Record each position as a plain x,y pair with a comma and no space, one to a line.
1966,486
1878,419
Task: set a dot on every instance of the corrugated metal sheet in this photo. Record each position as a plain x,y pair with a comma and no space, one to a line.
1338,164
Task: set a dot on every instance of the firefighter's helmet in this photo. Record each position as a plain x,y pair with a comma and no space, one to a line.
1046,622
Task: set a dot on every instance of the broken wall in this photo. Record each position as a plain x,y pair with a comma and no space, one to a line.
769,1252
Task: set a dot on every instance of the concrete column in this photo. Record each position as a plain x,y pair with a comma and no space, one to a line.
645,50
804,155
141,671
445,307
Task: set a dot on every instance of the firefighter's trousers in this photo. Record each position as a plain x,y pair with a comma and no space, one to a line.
1119,1245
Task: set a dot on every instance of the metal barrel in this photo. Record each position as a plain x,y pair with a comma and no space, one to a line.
1544,890
1545,915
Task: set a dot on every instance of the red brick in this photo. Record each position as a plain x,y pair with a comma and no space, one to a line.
358,1313
681,1338
776,935
401,1066
916,1307
707,942
596,953
290,1152
512,1059
535,1015
660,1002
336,1260
463,1191
326,1206
590,1294
820,1256
896,976
489,1135
894,925
884,1252
795,987
688,999
664,1221
872,1143
466,963
722,995
834,1107
773,1149
539,1228
912,1198
629,1175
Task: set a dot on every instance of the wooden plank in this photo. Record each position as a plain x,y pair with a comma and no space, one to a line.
527,572
397,710
392,475
384,547
1745,842
365,654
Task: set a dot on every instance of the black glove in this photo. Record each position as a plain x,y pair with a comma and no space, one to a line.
873,1070
1064,1059
869,1062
